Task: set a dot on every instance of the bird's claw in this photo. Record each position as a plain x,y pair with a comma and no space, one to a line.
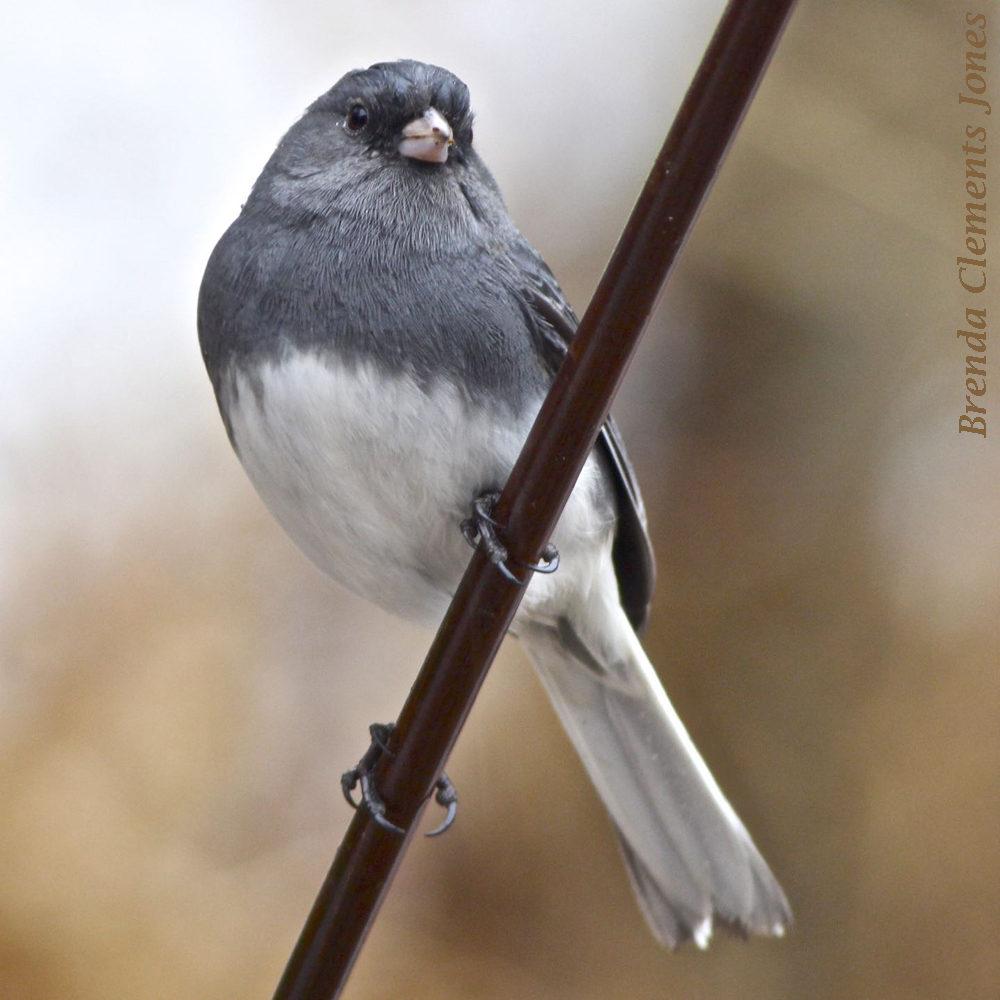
550,561
480,529
445,794
362,774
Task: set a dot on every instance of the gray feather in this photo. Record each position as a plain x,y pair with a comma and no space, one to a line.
691,861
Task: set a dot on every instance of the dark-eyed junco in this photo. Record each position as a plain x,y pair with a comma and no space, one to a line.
380,337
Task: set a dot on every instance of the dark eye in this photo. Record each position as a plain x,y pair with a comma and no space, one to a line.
357,117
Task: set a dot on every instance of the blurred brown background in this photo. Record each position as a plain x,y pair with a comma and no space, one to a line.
181,689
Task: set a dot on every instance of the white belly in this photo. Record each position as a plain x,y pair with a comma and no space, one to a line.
371,475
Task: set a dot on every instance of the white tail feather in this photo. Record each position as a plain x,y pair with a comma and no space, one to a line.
690,858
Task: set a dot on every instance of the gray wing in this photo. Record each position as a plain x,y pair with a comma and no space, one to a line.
553,325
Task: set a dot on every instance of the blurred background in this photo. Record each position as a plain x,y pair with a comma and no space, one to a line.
181,689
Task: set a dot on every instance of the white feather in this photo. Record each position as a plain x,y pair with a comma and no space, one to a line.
371,474
690,857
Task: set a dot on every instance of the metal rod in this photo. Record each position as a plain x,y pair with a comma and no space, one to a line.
536,492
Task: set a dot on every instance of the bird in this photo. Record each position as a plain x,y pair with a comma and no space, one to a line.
379,337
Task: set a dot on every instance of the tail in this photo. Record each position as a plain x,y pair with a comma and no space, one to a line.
690,858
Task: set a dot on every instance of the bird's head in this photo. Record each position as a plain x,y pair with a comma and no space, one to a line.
404,111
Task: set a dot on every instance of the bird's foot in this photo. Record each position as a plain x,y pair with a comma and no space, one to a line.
481,529
363,775
445,794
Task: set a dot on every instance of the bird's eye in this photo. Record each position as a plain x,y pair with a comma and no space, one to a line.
357,117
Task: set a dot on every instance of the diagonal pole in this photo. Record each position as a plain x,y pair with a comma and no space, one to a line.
536,492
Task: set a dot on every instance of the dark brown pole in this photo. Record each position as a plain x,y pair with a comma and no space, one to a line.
539,485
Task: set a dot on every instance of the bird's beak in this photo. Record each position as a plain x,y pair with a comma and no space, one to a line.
427,137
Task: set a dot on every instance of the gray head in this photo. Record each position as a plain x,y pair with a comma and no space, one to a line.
406,113
375,230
